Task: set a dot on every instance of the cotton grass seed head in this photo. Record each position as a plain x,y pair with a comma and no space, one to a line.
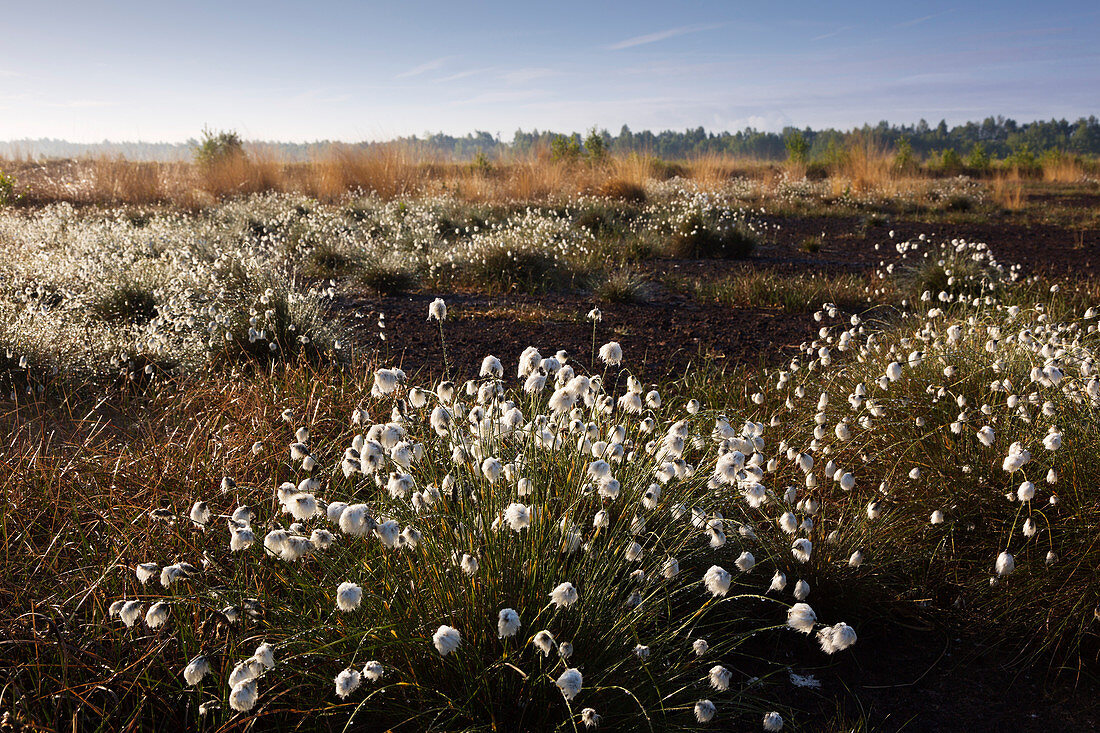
570,683
348,597
446,639
347,682
717,581
773,722
801,618
508,623
704,711
564,595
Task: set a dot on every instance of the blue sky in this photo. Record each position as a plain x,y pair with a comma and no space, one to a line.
162,69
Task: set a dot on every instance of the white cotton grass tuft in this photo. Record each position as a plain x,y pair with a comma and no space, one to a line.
611,353
146,571
265,655
544,642
508,623
745,562
590,718
130,612
717,581
801,549
773,722
437,310
195,670
801,618
373,670
719,678
704,711
348,597
570,683
836,638
518,516
446,639
200,513
243,696
564,595
1005,564
469,564
347,682
157,615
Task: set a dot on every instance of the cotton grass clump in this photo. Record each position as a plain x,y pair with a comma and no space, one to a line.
396,545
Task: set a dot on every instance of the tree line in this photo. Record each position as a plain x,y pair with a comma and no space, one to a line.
998,137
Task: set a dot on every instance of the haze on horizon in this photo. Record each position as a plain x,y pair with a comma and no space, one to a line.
343,70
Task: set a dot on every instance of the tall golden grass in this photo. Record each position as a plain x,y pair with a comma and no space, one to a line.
1007,190
1063,169
395,170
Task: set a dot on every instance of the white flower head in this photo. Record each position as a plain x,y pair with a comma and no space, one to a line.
564,595
243,696
801,618
195,670
373,670
446,639
347,682
836,638
570,683
717,581
611,353
508,623
348,597
518,516
773,722
704,711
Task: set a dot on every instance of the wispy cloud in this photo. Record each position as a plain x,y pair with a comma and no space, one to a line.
522,76
425,67
922,19
8,73
463,75
520,95
837,32
661,36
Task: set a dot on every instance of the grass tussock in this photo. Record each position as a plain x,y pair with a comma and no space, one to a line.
791,293
1007,191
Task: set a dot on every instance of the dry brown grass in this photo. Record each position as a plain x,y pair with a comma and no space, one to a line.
866,166
116,180
1063,169
394,170
387,170
1007,190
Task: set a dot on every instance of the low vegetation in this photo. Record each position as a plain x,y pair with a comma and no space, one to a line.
222,510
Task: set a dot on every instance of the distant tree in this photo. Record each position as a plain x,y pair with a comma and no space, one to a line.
217,147
798,148
594,146
563,147
978,158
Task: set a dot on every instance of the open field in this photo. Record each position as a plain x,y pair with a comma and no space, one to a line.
751,450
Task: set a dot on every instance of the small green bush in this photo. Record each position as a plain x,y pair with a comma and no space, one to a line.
218,147
8,194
